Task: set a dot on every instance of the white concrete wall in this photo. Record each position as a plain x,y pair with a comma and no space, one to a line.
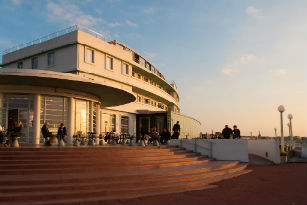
266,148
304,151
217,148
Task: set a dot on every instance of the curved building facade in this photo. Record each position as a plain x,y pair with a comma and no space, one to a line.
76,77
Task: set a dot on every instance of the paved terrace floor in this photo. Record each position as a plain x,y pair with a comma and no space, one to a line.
283,184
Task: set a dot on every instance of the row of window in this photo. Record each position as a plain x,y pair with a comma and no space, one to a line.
34,61
149,101
146,79
90,58
139,59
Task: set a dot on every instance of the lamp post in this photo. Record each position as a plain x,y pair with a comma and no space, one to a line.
290,116
281,109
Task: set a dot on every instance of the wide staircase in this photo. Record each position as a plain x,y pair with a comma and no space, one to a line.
89,175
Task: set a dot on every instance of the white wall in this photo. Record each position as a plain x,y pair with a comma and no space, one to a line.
216,148
266,148
304,151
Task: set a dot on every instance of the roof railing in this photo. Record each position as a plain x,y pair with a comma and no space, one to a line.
55,35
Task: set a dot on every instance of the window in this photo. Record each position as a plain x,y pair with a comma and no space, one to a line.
20,65
139,99
34,62
136,58
148,66
142,61
133,74
139,76
124,125
145,79
125,69
109,63
50,59
146,101
89,56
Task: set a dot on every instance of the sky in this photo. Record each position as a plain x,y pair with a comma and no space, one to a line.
233,61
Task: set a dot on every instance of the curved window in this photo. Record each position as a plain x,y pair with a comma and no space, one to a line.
54,110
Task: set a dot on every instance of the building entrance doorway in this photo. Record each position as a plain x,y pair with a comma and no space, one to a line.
16,108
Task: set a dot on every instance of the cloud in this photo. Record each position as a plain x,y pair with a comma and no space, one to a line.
115,24
254,12
279,72
69,13
16,2
98,11
131,24
148,10
229,70
247,58
239,63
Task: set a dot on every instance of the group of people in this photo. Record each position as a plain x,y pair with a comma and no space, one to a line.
14,131
162,138
228,133
49,137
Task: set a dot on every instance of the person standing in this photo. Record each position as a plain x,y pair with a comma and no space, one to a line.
226,132
236,132
176,130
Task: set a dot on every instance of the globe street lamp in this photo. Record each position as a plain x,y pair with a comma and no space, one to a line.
281,109
290,117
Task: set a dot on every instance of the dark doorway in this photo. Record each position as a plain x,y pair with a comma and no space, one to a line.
13,118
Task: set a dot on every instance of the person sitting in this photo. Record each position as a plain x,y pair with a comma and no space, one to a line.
114,137
236,132
61,132
46,134
165,136
107,137
226,132
155,135
16,133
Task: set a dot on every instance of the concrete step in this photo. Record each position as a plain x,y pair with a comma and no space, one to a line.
96,168
74,175
98,159
127,182
108,193
12,180
88,155
102,163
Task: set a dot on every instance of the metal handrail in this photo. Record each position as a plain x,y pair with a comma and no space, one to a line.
57,34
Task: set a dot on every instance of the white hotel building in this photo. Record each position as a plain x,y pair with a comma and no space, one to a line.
76,77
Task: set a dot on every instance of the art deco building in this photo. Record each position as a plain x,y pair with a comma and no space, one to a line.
77,77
